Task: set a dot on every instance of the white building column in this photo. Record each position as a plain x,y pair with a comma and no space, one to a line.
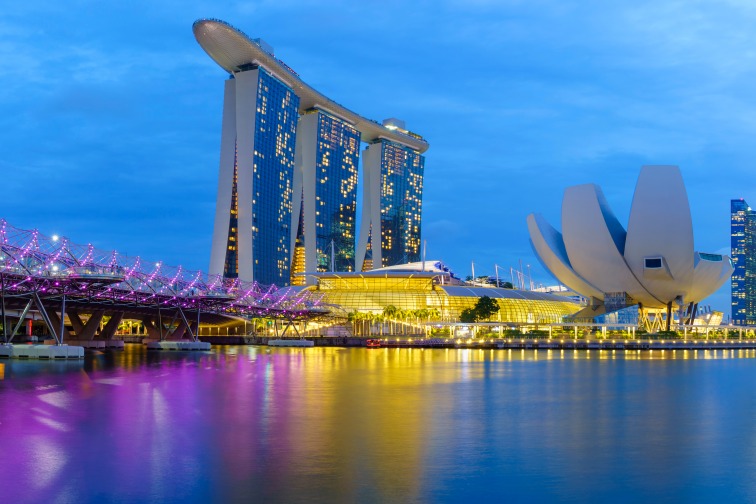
246,107
225,181
371,206
305,179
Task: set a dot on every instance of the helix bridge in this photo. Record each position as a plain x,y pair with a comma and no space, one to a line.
52,277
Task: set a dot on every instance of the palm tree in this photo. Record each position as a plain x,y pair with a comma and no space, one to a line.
390,312
376,319
369,319
422,314
380,319
363,318
404,315
353,316
367,323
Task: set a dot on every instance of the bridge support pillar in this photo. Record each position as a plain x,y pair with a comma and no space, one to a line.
86,331
76,322
111,327
178,333
152,329
194,331
57,324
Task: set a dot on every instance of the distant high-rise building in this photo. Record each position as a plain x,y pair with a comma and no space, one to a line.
392,204
288,151
743,245
328,151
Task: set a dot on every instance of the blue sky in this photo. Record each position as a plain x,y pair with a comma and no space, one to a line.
110,111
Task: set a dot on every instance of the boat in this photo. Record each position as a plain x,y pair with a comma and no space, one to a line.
373,343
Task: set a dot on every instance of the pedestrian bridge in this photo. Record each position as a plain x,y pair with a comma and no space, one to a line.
49,279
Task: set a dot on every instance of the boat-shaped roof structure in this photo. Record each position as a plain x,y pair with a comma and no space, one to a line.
234,51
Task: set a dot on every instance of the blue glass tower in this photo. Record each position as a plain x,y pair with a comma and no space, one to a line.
743,253
328,150
254,213
275,137
393,203
401,203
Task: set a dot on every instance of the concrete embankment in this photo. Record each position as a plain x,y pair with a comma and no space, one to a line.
41,352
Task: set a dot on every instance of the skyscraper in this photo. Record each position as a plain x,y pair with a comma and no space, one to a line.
288,151
392,203
328,150
743,253
253,218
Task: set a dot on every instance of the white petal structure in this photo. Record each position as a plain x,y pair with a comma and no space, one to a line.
593,236
653,263
709,274
660,227
549,247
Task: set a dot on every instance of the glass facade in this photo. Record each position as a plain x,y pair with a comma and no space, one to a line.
337,159
273,174
298,261
627,315
401,203
743,253
275,122
231,265
368,293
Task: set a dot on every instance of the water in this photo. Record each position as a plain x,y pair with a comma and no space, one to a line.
251,424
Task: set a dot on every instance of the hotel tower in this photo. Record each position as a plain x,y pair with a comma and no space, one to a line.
289,168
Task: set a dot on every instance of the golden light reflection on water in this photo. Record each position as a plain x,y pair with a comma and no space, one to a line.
368,425
386,402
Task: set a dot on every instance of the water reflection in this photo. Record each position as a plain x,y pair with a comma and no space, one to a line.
379,425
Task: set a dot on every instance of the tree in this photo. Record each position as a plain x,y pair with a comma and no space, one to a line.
390,312
420,313
468,315
352,318
403,315
485,307
358,322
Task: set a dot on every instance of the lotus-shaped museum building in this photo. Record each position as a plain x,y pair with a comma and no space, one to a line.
652,263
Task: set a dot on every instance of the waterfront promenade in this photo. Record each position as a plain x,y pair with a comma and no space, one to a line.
508,343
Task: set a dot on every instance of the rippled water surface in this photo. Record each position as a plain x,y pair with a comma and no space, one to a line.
251,424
